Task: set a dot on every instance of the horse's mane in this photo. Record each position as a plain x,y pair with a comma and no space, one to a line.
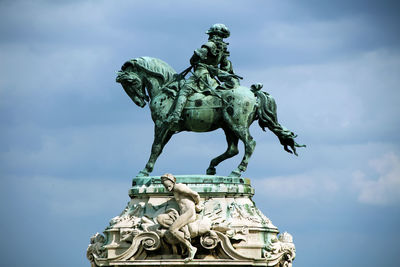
153,66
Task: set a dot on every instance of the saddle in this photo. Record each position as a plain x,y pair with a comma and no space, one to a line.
203,101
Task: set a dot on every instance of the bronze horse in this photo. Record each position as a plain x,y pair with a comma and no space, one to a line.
152,80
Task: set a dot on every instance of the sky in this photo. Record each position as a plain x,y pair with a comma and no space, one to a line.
71,140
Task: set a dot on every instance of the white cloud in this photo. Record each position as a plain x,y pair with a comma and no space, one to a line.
299,186
333,172
381,185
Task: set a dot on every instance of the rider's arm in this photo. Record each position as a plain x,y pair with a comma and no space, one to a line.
226,65
198,55
201,54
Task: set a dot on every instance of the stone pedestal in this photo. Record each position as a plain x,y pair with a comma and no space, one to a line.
230,230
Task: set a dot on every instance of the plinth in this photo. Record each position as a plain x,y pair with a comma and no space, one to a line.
230,229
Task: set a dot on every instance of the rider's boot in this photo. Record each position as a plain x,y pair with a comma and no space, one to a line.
175,115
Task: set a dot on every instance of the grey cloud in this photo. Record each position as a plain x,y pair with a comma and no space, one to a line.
331,66
351,100
327,9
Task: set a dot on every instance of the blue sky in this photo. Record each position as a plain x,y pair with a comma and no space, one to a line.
71,140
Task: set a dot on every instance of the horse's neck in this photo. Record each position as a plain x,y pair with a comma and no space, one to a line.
153,86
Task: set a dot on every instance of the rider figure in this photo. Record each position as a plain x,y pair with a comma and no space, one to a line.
209,62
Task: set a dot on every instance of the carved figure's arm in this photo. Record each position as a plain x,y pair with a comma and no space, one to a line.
184,190
195,197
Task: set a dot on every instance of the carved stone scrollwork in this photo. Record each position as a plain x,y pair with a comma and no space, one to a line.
209,240
281,251
96,249
226,229
150,241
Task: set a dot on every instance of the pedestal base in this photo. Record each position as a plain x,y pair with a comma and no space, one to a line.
230,230
195,262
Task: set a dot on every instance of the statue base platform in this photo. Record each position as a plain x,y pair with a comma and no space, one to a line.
229,230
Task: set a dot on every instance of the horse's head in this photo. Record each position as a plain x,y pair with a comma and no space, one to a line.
132,84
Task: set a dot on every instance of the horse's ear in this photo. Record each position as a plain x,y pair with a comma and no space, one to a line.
256,87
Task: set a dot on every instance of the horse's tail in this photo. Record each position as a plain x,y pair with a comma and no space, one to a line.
267,118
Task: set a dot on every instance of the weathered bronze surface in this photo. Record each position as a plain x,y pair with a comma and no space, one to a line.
211,98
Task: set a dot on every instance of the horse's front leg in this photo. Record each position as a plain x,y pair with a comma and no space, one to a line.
161,137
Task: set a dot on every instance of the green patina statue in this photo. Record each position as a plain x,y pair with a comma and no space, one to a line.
210,99
209,62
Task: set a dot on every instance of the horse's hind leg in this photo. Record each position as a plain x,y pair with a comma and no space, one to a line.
231,151
249,145
161,138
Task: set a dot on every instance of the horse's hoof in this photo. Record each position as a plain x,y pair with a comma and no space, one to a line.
211,171
235,173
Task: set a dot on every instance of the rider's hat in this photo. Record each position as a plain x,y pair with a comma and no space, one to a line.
219,29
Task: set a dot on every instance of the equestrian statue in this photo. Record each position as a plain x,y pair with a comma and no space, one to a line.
211,98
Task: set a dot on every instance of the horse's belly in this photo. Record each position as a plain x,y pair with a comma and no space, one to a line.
202,119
